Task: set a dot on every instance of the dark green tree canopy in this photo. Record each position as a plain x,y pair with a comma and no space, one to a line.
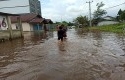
99,12
83,20
119,12
97,15
121,15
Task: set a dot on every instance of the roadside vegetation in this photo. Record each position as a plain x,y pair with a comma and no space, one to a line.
110,28
98,16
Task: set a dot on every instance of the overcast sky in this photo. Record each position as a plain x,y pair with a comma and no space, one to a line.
67,10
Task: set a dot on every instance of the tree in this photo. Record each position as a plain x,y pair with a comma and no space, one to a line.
121,15
83,20
70,24
57,22
64,23
99,12
119,12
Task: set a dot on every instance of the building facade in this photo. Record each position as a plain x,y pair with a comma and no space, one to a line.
3,23
6,31
30,22
107,20
20,6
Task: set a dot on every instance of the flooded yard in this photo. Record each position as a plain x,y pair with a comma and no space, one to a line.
83,56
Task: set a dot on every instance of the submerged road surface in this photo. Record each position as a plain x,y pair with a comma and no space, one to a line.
83,56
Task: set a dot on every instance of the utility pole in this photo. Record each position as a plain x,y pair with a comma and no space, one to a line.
90,23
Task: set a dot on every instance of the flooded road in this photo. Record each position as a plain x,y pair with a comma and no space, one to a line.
83,56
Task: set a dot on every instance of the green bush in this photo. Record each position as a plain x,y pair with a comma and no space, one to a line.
110,28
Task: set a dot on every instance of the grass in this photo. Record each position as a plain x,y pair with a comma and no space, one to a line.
117,28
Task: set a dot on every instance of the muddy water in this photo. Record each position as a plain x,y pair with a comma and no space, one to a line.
83,56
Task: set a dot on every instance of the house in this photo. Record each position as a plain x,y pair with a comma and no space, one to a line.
30,22
107,21
49,24
6,31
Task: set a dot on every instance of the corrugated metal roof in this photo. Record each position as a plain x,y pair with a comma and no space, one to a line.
31,18
2,13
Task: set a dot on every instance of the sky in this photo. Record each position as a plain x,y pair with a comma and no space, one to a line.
67,10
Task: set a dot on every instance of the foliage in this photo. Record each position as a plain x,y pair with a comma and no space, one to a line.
119,12
121,15
98,13
66,24
83,20
57,22
110,28
70,24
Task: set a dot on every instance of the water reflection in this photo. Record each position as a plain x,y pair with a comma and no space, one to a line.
62,46
121,40
84,55
82,32
37,36
10,50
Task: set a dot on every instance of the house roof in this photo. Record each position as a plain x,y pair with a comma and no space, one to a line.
2,13
41,20
31,18
25,17
38,20
49,21
108,18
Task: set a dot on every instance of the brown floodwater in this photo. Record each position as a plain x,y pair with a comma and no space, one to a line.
84,55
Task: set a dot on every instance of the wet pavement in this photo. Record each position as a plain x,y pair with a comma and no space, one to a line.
83,56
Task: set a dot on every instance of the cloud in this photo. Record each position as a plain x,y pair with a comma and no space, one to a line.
73,9
58,10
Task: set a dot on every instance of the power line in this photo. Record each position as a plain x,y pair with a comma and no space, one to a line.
14,7
115,5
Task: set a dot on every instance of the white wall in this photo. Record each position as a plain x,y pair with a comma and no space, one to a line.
107,23
13,26
107,18
25,26
31,27
1,26
13,3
